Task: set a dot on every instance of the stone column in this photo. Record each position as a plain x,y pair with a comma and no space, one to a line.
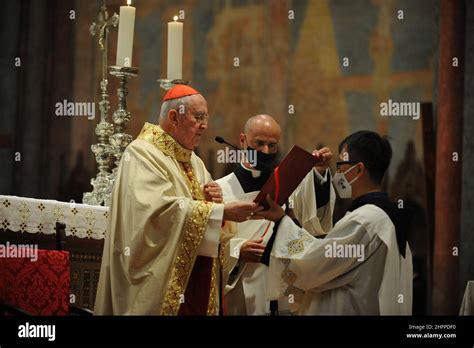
467,218
448,166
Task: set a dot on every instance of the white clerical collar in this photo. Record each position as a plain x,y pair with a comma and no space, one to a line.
255,173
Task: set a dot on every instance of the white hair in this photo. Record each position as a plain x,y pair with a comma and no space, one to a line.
173,104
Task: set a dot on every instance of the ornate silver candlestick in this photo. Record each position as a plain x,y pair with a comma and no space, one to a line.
121,116
102,150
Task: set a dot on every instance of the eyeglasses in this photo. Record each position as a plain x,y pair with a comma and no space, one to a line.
201,118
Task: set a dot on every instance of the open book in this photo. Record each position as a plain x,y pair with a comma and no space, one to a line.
287,176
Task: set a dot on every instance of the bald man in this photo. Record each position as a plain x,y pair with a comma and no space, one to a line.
312,202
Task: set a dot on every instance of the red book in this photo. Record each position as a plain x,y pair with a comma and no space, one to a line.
287,176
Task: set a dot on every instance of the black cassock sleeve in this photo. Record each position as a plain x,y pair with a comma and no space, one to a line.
265,259
323,192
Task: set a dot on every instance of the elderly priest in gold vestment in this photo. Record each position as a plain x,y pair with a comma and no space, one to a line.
161,247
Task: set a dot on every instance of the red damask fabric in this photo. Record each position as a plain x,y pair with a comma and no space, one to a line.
38,287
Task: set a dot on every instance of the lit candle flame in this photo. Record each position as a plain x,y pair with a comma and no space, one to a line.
175,18
129,2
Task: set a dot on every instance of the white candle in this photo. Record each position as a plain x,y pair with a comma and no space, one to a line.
175,49
125,35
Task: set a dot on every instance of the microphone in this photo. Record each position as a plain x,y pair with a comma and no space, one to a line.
221,140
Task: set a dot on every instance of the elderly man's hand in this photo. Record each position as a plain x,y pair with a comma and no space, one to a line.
213,192
240,211
324,157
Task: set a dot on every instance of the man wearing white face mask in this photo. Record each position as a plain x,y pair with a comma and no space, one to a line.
343,187
364,265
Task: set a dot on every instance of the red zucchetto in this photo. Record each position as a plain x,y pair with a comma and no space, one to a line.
179,91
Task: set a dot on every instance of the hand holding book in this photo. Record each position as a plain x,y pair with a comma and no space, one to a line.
287,176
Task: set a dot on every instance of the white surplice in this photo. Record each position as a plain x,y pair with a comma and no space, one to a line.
245,291
306,268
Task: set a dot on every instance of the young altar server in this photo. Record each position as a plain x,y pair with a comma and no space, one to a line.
364,265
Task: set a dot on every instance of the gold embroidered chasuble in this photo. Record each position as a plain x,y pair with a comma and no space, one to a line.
157,221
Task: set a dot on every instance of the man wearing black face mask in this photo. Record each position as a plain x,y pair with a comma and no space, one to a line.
312,202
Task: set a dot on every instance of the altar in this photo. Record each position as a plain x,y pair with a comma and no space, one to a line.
53,225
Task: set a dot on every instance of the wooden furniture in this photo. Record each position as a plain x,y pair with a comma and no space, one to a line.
85,261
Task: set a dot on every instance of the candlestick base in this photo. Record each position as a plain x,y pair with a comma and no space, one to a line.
170,83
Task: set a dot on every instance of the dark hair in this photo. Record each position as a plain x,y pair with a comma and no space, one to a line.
372,150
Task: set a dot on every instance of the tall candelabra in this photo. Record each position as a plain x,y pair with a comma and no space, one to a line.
102,183
121,117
